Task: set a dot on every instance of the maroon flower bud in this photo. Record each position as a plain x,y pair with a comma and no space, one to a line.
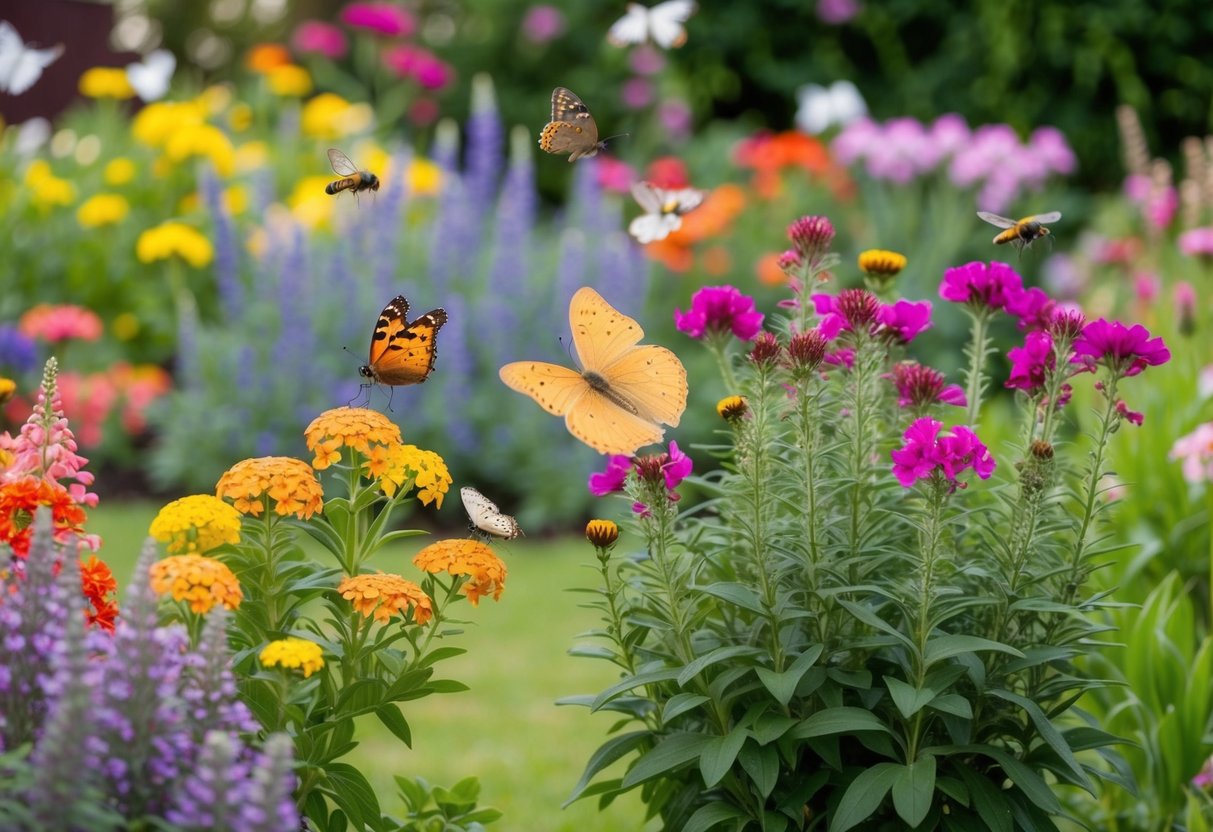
860,308
811,236
767,349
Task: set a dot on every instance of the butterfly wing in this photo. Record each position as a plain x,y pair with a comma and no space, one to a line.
686,199
554,388
401,352
649,196
342,166
150,77
485,515
20,64
649,228
665,22
566,106
653,381
601,333
577,140
601,423
632,28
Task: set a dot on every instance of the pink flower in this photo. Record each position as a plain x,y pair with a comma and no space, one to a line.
382,17
1031,362
1132,416
1196,451
718,309
1124,350
1145,287
1184,297
419,64
981,285
668,172
676,468
646,60
317,37
1160,208
904,320
676,118
60,323
835,12
636,93
1197,242
849,310
1032,306
614,175
811,236
668,469
844,357
919,386
927,451
543,23
612,479
1050,146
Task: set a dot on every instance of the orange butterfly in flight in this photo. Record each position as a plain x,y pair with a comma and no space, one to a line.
625,393
402,352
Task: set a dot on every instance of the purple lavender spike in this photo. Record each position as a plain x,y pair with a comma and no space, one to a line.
510,255
457,368
485,148
387,225
227,258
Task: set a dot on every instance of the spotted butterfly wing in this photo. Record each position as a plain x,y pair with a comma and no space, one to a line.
625,392
572,129
485,515
403,352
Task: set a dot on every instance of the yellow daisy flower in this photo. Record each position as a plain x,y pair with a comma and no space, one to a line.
296,653
106,82
881,263
174,238
196,524
101,210
119,171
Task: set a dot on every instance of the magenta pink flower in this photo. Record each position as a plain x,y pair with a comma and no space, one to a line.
1196,451
716,309
904,320
1033,307
981,285
543,23
612,479
314,37
676,468
835,12
919,386
849,310
419,64
844,357
646,59
614,175
1197,242
64,322
928,451
1184,297
1132,416
1126,351
811,236
636,93
382,17
1031,362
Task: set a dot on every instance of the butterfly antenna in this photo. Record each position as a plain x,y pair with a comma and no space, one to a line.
616,136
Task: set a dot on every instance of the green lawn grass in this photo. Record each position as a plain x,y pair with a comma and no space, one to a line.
527,751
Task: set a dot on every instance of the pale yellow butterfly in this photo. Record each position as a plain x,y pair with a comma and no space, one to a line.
624,393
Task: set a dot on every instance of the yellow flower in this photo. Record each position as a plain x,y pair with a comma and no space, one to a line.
240,118
601,533
102,209
351,427
119,171
106,82
290,483
125,326
214,99
731,408
424,177
251,156
7,388
308,202
468,557
329,116
174,238
381,596
289,81
155,123
201,581
46,188
294,653
395,464
196,524
205,141
881,263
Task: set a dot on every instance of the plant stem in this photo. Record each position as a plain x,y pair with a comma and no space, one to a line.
975,379
929,545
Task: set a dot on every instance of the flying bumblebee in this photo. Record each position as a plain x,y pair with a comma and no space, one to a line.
1021,232
353,179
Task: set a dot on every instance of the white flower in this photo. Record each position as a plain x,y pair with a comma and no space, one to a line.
821,107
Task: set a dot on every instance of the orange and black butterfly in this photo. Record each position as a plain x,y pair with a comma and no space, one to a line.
402,352
572,129
354,180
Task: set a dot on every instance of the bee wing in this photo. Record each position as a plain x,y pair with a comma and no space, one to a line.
994,219
1052,216
342,166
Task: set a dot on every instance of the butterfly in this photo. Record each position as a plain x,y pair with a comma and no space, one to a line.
572,129
819,107
150,77
485,515
661,23
625,392
402,352
663,210
20,64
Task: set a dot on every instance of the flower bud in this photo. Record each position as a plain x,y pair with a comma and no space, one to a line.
766,349
811,236
732,408
601,533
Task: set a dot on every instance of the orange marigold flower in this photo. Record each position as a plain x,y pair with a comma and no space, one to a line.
201,581
351,427
290,483
99,587
267,56
382,595
21,498
394,465
470,557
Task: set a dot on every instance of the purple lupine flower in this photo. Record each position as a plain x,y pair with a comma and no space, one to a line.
982,285
612,479
385,228
485,147
919,386
927,452
509,271
227,256
18,353
1126,351
271,792
209,686
456,232
1031,363
836,12
716,309
231,788
905,320
458,372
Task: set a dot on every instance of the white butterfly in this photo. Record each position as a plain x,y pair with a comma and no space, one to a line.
820,106
485,515
20,64
663,210
150,77
661,23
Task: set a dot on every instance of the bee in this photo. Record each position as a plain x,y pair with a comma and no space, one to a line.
354,180
1021,232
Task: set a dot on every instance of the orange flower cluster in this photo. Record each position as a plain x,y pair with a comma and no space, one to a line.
350,427
201,581
468,557
769,154
99,588
290,483
382,595
21,498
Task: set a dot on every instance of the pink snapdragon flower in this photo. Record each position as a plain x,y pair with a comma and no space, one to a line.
314,37
919,386
716,309
381,17
982,285
929,452
1126,351
1196,451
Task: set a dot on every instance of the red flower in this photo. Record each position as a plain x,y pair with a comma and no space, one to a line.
99,586
21,498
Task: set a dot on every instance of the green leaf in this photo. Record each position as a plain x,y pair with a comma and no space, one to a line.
346,787
395,722
606,754
680,704
711,815
737,594
708,659
914,790
952,703
1049,733
908,699
440,654
944,647
761,763
719,755
864,796
783,685
867,616
663,675
672,753
840,720
446,686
